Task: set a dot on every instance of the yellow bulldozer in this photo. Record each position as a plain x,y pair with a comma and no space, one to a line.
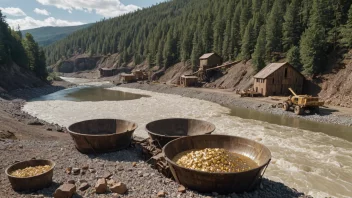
302,104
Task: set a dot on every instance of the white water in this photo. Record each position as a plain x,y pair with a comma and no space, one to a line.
314,163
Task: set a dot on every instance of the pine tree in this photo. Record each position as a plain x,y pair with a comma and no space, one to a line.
247,44
313,43
259,51
167,53
346,31
292,25
235,33
218,35
206,36
244,18
274,29
227,44
294,58
195,51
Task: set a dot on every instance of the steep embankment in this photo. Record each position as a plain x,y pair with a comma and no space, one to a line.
14,77
239,76
336,87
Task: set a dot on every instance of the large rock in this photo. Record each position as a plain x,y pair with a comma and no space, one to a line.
120,188
101,186
65,191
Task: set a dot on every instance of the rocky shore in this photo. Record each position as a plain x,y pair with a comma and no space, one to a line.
124,166
230,99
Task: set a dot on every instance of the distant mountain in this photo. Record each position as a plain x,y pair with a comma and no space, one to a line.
48,35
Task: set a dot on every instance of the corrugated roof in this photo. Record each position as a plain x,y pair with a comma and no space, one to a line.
269,69
205,56
184,76
105,68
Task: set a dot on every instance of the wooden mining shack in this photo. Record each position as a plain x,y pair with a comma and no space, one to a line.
276,78
209,60
128,78
140,75
188,80
106,72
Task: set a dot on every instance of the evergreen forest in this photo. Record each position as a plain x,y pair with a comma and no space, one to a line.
23,50
306,32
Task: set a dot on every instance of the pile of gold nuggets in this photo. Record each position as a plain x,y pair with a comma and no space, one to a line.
214,160
31,171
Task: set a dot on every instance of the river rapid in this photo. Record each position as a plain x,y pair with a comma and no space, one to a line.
314,163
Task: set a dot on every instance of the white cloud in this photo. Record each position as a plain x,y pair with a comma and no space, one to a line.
106,8
42,11
29,22
12,11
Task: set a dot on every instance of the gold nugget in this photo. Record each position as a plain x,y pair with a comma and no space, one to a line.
214,160
31,171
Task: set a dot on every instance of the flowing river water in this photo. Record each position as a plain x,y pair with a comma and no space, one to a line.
311,161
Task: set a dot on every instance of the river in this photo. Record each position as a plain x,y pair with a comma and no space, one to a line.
312,161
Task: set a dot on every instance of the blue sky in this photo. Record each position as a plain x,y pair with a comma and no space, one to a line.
37,13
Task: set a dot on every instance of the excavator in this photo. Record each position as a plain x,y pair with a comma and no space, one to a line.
302,104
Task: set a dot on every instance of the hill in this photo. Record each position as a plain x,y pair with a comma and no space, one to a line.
262,30
48,35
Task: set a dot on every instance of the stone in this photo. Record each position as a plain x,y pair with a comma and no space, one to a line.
71,181
119,188
84,186
92,170
161,193
120,168
145,174
76,171
68,170
134,164
65,191
101,186
115,195
34,122
20,146
83,172
111,182
85,167
181,189
49,129
107,175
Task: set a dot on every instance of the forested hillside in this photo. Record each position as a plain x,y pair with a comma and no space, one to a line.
48,35
22,51
306,31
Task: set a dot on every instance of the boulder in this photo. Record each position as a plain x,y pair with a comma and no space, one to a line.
65,191
120,188
101,186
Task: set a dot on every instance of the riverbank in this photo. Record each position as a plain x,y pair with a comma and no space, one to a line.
36,141
230,99
16,124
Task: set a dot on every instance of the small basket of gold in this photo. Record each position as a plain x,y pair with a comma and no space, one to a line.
31,175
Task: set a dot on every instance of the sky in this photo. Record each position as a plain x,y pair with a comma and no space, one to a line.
30,14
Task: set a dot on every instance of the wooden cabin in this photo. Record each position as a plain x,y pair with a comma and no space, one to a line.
188,81
128,78
276,78
209,60
140,75
106,72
